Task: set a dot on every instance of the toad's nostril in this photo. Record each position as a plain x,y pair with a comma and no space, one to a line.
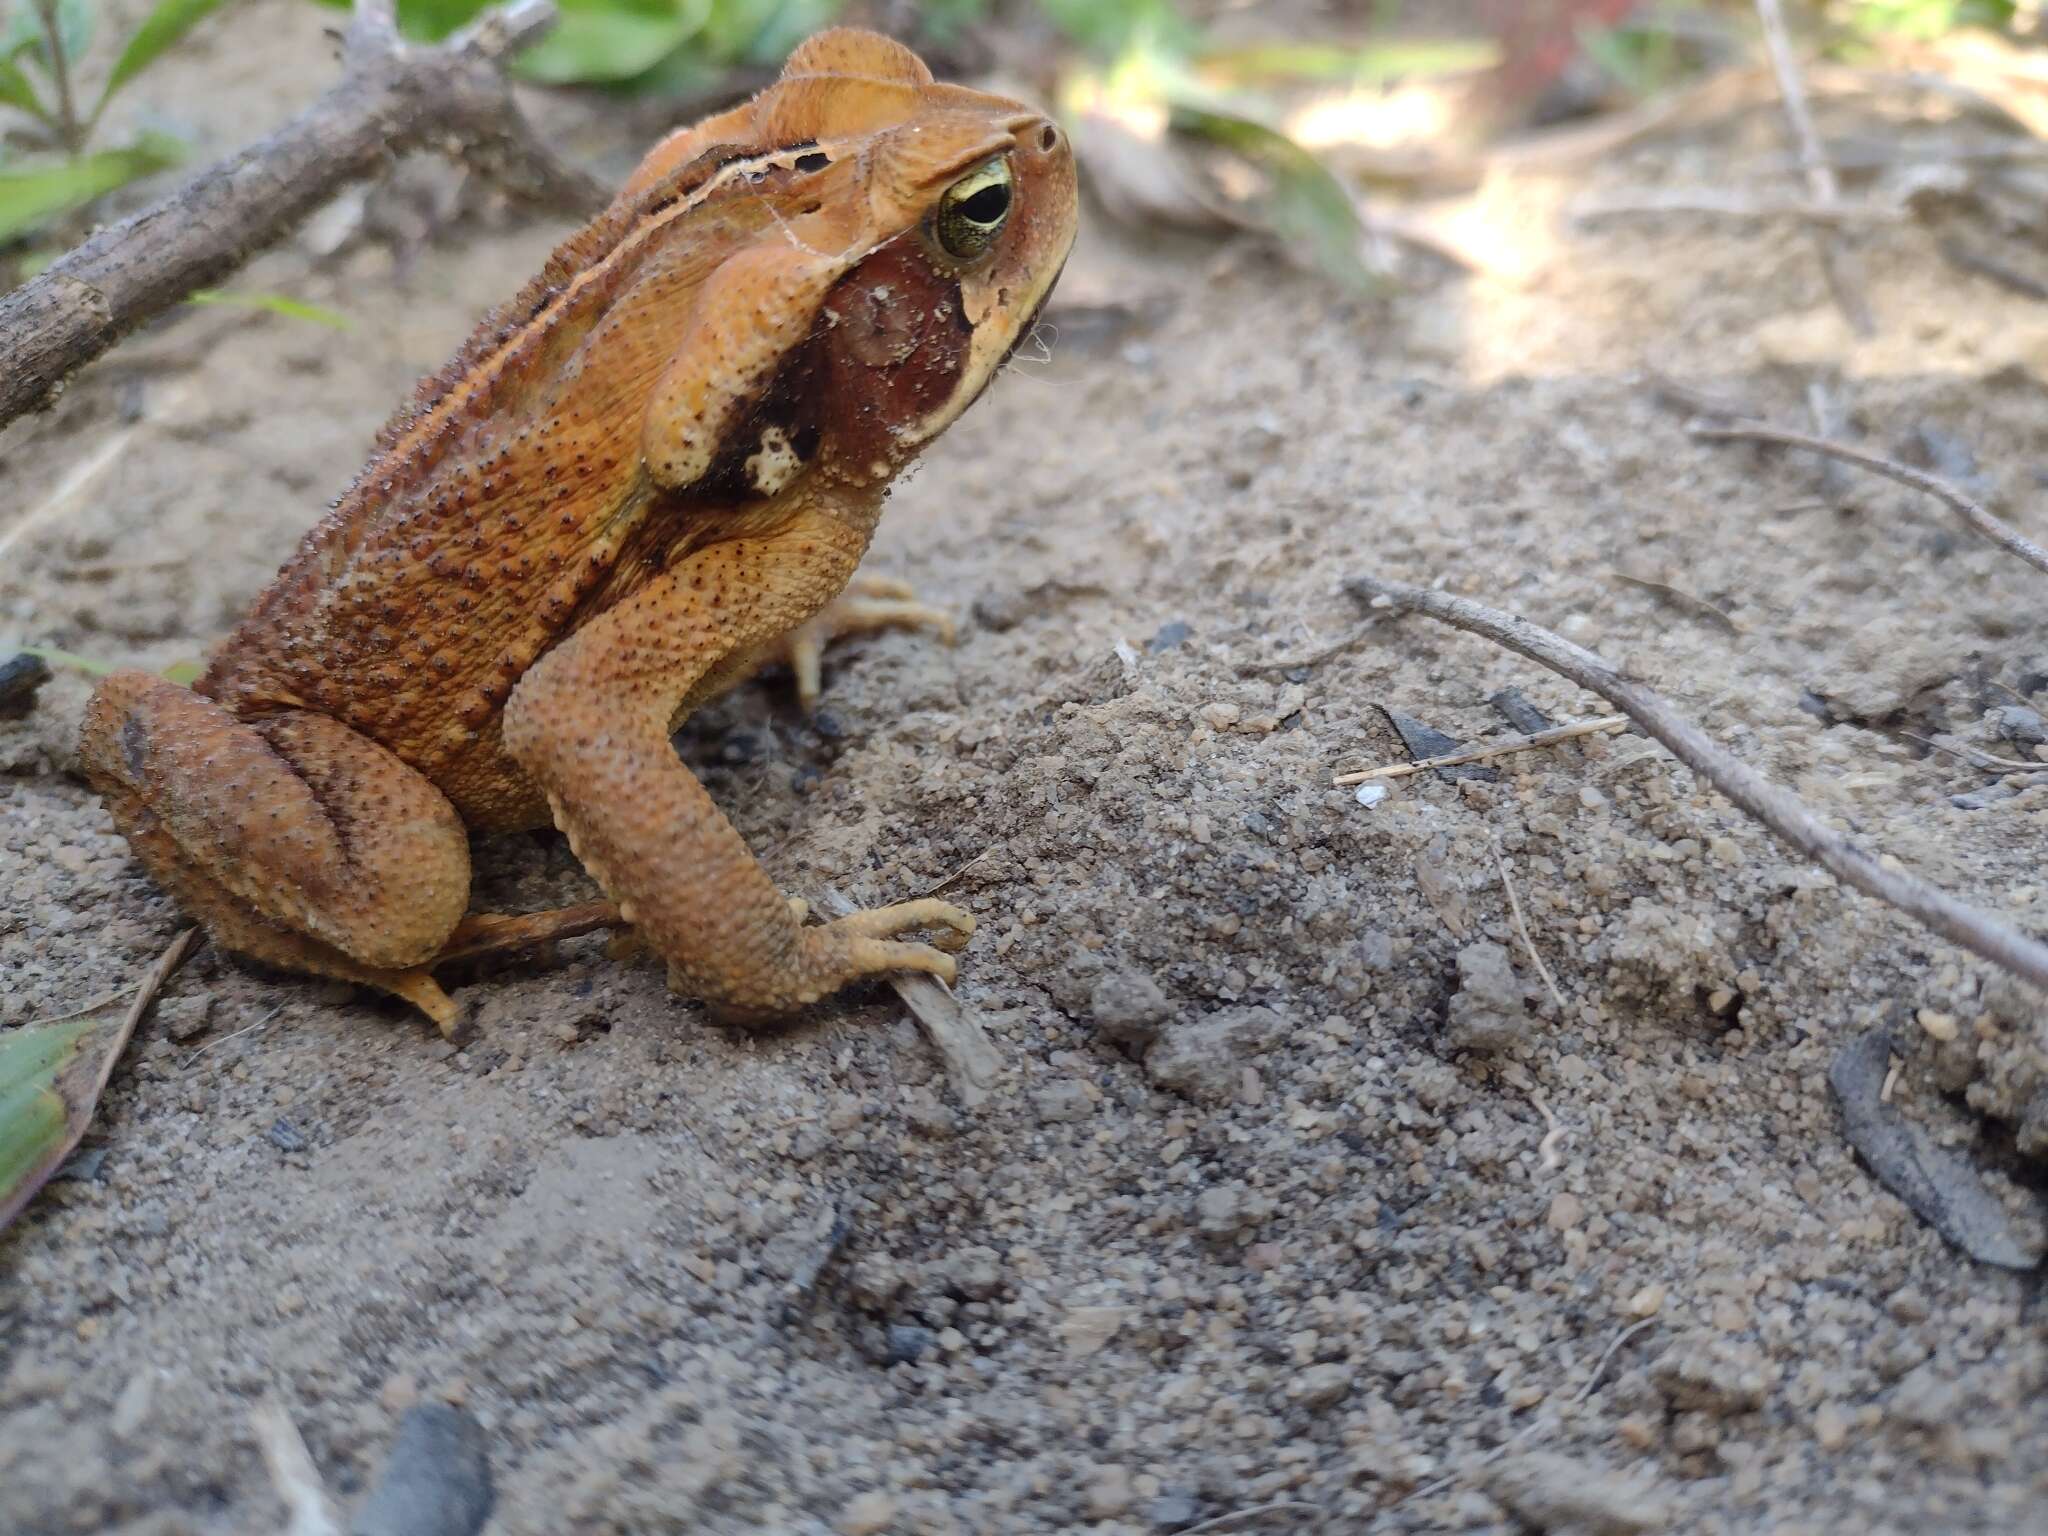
1049,138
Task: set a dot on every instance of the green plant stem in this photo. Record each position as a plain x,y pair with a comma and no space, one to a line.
70,131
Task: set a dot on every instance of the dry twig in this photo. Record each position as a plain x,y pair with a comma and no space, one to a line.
391,97
1820,175
1979,759
1778,809
1238,1519
1979,519
1502,748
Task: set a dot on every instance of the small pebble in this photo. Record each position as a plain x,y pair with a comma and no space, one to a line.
867,1514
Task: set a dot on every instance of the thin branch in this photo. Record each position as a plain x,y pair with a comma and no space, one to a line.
1979,759
70,135
1813,158
1238,1519
1501,748
1778,809
1744,207
391,97
1973,513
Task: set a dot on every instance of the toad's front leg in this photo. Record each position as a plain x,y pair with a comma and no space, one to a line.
591,723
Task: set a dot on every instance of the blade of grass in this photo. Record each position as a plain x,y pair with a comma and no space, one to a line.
273,303
17,91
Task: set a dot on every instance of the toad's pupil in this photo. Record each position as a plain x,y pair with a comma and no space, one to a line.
987,205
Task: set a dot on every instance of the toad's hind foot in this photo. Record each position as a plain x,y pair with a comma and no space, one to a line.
869,603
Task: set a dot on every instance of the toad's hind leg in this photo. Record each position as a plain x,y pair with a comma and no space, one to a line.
291,838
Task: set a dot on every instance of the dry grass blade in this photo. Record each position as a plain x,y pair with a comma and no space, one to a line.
972,1061
1507,882
1549,738
47,1102
1978,518
1783,812
292,1472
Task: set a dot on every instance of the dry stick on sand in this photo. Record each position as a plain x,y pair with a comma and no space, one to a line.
1980,520
1783,812
391,97
1549,738
1820,175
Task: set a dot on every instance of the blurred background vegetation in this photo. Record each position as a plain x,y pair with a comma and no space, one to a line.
1192,111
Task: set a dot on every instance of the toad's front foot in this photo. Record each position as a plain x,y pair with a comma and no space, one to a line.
848,949
868,603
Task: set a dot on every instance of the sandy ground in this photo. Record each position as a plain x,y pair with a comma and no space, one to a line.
1264,1211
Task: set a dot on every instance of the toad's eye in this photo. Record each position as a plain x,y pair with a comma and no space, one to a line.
971,211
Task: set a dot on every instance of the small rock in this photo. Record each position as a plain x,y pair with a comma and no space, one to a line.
20,677
1218,1211
1939,1026
906,1343
867,1514
1168,635
925,1114
1713,1375
1204,1060
1063,1102
1567,1210
1550,1492
131,1408
285,1136
1323,1386
1173,1510
181,1018
437,1481
1086,1329
1487,1011
1128,1007
2016,722
1830,1427
1109,1493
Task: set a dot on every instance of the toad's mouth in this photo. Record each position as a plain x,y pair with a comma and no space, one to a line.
1030,326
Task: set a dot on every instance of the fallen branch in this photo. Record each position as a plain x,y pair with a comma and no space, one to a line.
1502,748
391,97
1973,513
1783,812
1813,159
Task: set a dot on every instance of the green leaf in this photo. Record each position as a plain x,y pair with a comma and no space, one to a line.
1303,204
601,41
276,304
51,1077
32,197
1369,64
163,26
16,91
1107,28
184,673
